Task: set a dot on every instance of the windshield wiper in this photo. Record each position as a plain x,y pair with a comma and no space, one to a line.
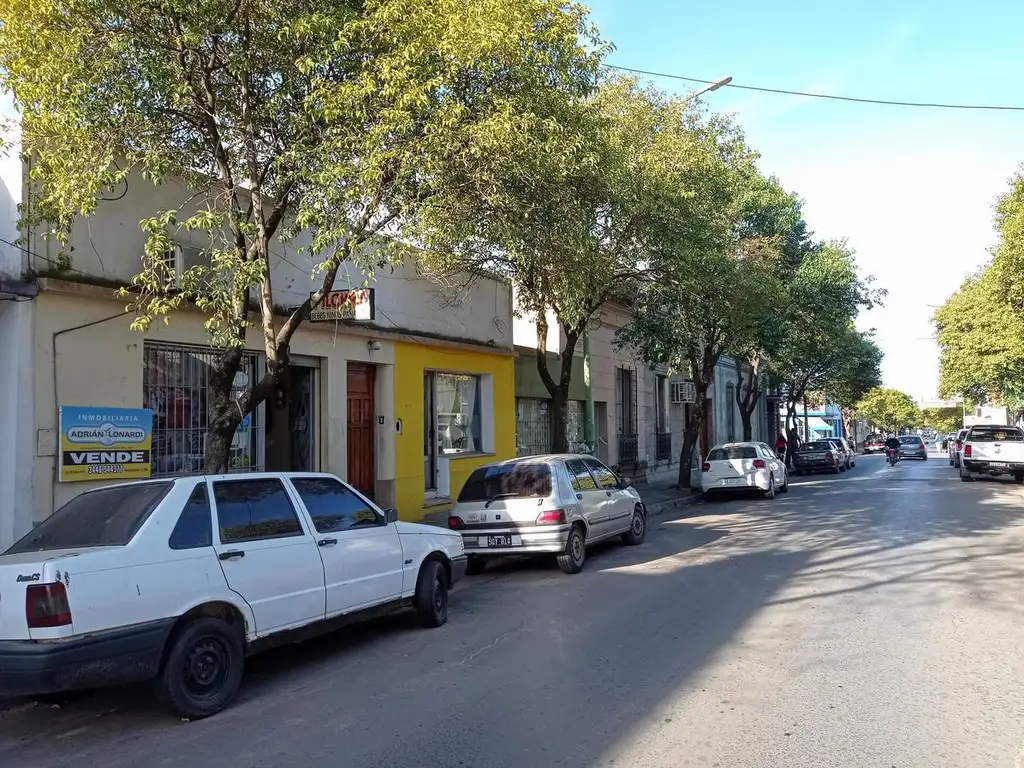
499,496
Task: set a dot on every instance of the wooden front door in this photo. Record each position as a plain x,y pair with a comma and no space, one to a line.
361,419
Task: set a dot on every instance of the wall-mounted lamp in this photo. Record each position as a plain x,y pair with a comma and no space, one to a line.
373,345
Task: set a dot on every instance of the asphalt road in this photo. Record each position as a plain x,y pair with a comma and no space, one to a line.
870,619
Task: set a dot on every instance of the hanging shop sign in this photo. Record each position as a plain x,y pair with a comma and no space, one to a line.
99,443
349,304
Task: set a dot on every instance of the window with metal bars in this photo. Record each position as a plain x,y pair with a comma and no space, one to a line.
175,383
627,412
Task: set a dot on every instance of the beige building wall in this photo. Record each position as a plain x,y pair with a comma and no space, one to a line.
102,365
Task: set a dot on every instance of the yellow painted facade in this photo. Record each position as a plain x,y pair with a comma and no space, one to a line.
412,360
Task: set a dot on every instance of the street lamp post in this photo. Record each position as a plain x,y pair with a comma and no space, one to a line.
709,88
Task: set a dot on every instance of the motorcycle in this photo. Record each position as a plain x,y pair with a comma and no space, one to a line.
892,457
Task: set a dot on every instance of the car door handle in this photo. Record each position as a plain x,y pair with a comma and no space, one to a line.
327,542
608,493
230,554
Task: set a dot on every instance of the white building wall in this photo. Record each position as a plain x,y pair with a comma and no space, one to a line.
110,245
11,185
17,420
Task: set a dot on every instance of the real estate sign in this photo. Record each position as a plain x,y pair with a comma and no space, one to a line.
105,443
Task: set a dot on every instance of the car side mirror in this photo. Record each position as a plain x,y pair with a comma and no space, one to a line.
625,482
390,515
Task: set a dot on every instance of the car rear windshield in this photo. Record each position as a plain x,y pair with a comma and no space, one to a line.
514,480
733,452
106,517
817,445
874,439
910,439
995,435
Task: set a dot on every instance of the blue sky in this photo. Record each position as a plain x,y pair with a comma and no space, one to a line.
911,189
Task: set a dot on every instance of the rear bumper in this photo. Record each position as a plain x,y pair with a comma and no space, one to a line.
751,484
986,467
119,656
533,540
816,466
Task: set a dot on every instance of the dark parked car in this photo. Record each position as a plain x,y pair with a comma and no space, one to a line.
913,447
818,456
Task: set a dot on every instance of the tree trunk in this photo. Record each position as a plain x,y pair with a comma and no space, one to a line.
690,436
223,416
702,378
747,397
558,390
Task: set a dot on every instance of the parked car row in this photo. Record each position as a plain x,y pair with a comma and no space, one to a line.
989,450
177,581
747,466
831,454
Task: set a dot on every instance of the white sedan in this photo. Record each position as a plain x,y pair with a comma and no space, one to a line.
741,467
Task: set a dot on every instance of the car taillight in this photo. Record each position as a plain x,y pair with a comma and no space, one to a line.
758,463
967,451
46,605
455,522
551,517
706,467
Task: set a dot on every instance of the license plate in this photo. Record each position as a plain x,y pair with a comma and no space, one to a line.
499,541
998,464
735,481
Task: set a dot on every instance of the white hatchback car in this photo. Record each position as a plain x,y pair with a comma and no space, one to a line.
558,504
178,580
743,466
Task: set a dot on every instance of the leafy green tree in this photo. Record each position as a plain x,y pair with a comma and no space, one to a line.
890,409
824,296
981,342
580,224
363,124
711,301
771,217
943,420
858,370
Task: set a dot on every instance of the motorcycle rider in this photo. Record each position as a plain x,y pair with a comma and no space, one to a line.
892,444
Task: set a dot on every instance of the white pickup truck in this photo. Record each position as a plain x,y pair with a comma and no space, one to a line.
178,580
992,450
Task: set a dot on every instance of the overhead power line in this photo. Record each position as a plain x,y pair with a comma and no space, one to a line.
832,97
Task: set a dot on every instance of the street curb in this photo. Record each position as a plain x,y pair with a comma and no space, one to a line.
681,502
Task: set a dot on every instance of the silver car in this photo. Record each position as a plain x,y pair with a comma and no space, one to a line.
553,504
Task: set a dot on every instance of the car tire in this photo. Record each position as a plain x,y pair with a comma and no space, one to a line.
784,488
571,561
770,493
202,668
431,599
637,528
965,478
925,457
475,565
836,470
